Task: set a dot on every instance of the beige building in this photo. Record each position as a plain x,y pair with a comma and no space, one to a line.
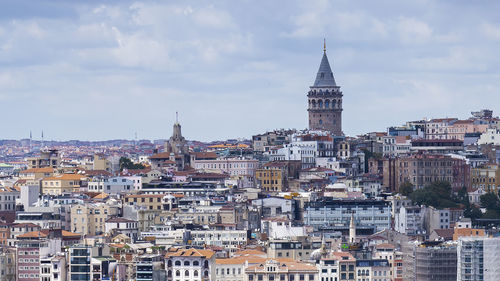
90,219
59,184
101,163
33,176
486,178
49,158
147,201
282,270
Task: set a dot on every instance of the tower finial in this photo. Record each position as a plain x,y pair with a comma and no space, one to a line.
177,117
324,45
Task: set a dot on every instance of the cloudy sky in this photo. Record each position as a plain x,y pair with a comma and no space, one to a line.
95,70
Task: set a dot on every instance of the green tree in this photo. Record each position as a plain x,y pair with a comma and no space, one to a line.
490,201
406,188
126,163
437,194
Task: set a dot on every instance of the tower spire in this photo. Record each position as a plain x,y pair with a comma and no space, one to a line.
324,45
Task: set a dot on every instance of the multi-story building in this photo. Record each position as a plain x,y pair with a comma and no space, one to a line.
79,263
283,270
430,261
423,169
410,220
60,184
478,259
340,266
147,201
263,142
486,177
338,212
238,166
31,248
53,268
124,226
190,264
8,264
150,267
90,219
274,176
114,185
438,128
371,270
227,239
49,158
35,175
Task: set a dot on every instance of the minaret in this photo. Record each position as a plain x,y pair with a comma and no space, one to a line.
325,100
352,230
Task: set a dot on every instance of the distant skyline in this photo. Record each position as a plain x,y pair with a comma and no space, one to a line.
100,70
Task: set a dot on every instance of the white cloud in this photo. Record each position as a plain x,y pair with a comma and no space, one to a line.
413,31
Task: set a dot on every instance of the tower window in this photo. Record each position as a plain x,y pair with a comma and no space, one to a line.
322,75
320,122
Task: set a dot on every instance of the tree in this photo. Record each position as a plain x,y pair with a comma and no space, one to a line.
437,194
406,188
126,163
490,201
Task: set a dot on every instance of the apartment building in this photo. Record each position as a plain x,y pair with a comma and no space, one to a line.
90,219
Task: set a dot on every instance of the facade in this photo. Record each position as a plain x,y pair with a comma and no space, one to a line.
430,261
338,212
79,263
60,184
340,266
410,220
478,259
90,219
231,166
115,185
325,101
190,265
49,158
275,269
423,169
486,177
228,239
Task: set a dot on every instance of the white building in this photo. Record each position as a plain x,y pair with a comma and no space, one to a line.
190,264
478,259
491,136
116,185
410,220
228,239
124,226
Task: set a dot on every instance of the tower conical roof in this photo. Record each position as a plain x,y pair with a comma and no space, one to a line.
324,78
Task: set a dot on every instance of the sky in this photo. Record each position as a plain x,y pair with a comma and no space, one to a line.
97,70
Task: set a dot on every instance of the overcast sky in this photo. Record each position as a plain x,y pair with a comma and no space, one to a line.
95,70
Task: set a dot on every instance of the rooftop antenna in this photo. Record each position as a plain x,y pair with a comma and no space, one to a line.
42,141
31,138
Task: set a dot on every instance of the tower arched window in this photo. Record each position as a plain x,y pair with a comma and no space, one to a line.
320,121
327,103
177,263
195,273
334,102
313,103
186,273
320,104
186,263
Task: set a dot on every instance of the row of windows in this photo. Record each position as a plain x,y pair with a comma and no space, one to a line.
282,277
